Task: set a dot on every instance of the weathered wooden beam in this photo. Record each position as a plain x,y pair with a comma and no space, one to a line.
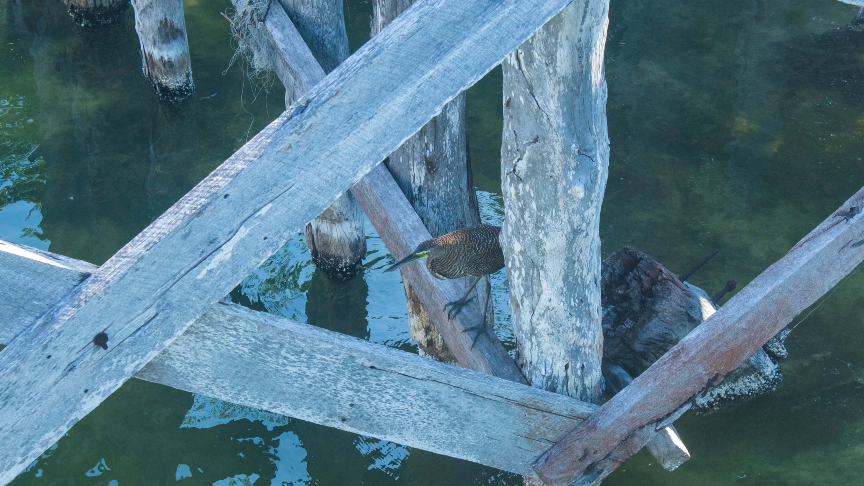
33,281
401,230
433,170
267,362
151,290
165,58
393,217
715,348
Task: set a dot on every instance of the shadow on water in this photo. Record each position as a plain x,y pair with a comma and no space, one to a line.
735,125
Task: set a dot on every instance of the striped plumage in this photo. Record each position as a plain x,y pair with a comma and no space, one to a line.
466,251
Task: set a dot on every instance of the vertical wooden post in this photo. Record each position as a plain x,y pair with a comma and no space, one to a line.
164,48
335,238
93,13
554,163
434,172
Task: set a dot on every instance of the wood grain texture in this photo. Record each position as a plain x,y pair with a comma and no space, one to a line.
270,363
161,30
298,66
267,362
434,172
734,333
151,290
554,165
401,230
667,447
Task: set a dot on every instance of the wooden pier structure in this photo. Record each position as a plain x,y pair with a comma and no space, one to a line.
157,299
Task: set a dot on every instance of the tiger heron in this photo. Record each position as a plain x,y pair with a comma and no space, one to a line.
473,251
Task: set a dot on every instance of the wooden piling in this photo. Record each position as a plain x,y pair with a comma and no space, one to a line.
434,172
93,13
336,239
164,48
554,163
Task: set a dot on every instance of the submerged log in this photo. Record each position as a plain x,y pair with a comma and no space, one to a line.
93,13
433,170
164,48
336,239
647,310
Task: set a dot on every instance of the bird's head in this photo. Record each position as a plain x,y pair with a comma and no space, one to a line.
423,250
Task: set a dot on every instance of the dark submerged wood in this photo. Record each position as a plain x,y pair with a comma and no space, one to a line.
707,355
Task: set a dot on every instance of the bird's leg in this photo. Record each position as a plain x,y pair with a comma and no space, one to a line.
457,305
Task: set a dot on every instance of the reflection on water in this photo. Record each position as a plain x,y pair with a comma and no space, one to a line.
734,125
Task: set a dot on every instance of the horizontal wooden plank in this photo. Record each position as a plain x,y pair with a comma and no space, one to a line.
294,63
401,230
149,292
715,348
270,363
397,223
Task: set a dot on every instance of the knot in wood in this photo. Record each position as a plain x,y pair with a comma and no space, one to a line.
101,340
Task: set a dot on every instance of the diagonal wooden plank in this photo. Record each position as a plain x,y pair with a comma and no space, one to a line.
396,222
724,341
401,230
150,291
267,362
33,288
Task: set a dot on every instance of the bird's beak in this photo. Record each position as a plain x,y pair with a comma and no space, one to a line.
412,257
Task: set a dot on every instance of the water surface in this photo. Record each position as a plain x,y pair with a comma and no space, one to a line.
735,125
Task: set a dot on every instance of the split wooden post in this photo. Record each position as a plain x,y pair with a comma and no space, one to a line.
554,164
401,230
335,238
93,13
165,58
275,364
705,356
434,172
151,290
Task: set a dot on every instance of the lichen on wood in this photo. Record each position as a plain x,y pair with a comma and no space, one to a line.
554,163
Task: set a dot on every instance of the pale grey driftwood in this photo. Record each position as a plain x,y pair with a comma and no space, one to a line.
165,58
267,362
93,13
32,282
293,57
434,172
554,164
735,332
151,290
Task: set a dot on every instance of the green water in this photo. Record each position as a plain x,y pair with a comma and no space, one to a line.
736,124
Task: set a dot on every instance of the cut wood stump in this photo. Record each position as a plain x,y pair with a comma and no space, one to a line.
647,310
165,57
